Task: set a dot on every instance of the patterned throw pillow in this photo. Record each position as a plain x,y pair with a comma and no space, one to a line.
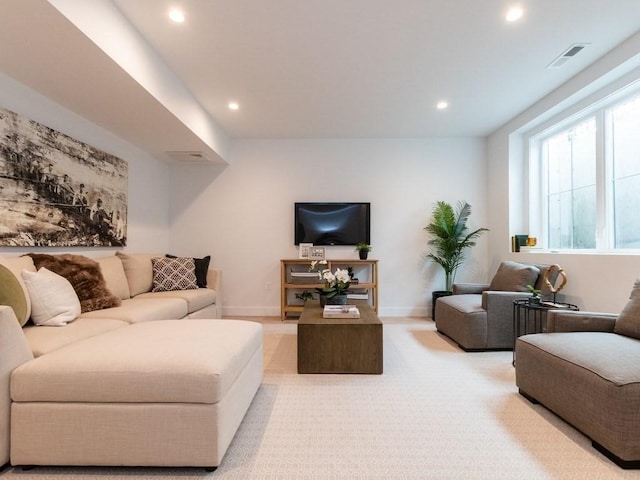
173,274
202,268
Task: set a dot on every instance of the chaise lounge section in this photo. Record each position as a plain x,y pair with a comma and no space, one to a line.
585,369
163,393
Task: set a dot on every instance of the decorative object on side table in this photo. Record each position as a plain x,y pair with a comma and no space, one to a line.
553,287
449,240
363,249
336,284
534,299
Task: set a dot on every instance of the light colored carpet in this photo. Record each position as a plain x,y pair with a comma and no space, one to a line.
436,412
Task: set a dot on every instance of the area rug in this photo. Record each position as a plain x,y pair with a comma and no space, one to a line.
435,413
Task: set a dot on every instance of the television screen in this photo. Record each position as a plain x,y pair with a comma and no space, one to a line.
332,223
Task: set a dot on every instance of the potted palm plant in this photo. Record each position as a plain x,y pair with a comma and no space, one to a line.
450,238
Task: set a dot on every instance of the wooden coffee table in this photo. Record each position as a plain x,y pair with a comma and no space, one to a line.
339,345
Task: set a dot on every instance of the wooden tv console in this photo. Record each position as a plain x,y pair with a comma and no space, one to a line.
294,279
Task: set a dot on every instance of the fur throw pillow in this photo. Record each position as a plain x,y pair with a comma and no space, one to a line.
84,275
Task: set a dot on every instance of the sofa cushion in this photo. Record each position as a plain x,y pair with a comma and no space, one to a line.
138,269
44,339
611,357
136,310
628,322
85,277
185,361
53,299
514,277
202,268
196,299
114,276
16,265
173,274
13,294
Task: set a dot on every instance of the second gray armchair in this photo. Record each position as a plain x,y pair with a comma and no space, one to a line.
480,316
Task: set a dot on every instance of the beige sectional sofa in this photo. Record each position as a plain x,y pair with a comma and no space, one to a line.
156,381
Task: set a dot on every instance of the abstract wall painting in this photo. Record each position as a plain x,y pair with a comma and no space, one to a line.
56,191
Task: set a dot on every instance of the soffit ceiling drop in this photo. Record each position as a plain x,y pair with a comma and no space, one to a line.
318,68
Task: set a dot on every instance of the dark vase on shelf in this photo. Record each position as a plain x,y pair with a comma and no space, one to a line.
363,254
323,300
435,296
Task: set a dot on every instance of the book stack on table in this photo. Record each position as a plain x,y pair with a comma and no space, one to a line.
340,311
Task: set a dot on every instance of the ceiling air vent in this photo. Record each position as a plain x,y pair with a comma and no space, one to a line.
567,55
188,157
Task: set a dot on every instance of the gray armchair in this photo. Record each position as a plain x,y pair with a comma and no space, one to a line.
480,316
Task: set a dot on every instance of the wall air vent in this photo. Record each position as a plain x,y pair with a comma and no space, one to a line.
567,55
188,157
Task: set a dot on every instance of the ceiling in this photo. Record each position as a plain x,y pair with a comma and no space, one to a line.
315,68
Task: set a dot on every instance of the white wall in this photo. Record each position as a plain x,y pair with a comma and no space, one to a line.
148,217
243,214
596,282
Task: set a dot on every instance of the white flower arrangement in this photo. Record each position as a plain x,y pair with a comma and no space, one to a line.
335,283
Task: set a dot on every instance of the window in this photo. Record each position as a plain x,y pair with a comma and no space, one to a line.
625,172
585,180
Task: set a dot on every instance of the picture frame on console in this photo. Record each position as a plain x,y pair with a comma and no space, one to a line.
316,253
304,250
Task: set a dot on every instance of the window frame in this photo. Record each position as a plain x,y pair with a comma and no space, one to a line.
536,171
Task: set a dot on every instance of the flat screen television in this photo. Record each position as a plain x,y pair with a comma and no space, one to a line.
332,223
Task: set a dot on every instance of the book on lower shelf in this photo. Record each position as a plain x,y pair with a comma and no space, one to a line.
340,311
304,274
358,296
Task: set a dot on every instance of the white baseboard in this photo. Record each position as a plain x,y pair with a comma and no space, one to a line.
275,312
251,311
404,312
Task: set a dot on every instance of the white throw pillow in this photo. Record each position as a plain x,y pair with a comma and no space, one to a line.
53,299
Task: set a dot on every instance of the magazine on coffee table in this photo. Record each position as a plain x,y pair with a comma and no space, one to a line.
340,311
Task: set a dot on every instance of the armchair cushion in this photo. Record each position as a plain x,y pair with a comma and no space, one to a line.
580,321
466,288
514,277
628,322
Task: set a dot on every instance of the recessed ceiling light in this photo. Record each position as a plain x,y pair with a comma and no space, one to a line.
234,106
514,14
442,105
176,15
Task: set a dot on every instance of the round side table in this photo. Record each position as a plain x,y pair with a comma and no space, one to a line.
532,317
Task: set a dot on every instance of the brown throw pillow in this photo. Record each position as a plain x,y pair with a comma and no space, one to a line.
84,275
514,277
628,322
